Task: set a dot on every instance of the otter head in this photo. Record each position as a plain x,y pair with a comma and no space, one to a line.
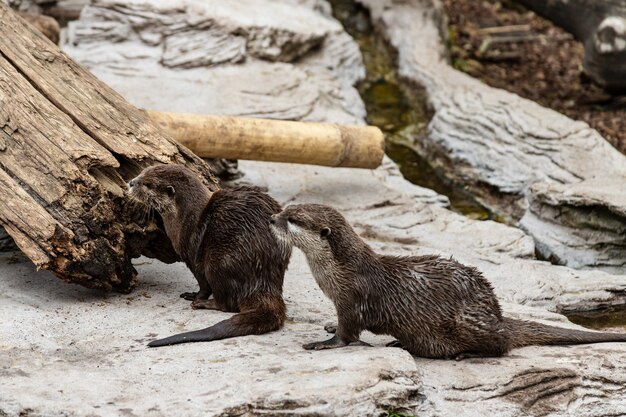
309,227
165,188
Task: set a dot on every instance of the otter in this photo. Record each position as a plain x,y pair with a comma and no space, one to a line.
225,240
436,307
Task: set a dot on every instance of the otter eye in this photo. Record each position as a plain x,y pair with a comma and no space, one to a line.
325,232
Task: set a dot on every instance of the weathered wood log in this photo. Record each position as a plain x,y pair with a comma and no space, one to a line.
274,140
601,26
68,144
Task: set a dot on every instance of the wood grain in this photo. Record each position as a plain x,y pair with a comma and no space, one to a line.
68,145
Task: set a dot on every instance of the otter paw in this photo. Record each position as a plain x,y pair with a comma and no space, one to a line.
467,355
320,346
360,343
189,296
395,343
330,327
334,342
205,305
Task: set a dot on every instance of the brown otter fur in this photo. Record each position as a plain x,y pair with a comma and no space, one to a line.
435,307
225,240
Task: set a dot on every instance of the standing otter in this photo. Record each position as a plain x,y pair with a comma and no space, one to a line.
226,242
435,307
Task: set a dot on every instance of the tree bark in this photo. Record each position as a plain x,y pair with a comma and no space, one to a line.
68,145
601,26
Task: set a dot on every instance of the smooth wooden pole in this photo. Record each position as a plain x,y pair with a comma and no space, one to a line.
273,140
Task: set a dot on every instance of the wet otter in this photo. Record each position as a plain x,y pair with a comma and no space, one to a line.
226,242
435,307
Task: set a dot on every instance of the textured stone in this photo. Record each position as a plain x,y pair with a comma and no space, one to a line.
103,367
497,144
581,225
150,50
53,337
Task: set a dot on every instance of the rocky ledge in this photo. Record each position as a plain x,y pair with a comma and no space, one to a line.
70,351
499,145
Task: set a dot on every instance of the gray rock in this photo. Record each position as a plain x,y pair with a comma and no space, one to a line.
194,48
68,350
33,6
92,347
580,225
147,51
498,144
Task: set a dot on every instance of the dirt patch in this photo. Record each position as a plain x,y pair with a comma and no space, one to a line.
506,46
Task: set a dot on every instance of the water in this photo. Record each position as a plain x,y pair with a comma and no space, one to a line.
609,318
399,110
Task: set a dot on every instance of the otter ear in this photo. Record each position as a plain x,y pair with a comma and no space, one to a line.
325,232
170,190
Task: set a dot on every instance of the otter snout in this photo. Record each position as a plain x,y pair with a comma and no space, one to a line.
278,226
277,221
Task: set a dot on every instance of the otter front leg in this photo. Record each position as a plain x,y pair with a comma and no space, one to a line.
204,293
346,334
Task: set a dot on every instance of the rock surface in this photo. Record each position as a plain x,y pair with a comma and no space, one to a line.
174,48
580,225
58,356
34,6
496,143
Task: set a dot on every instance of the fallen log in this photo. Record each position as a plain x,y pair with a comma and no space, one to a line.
275,140
68,145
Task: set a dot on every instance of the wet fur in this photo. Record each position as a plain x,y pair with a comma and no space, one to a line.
435,307
225,240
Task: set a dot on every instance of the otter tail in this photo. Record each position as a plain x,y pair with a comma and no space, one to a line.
526,333
254,321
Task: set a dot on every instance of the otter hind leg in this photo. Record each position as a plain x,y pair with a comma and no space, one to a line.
263,319
201,304
490,351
